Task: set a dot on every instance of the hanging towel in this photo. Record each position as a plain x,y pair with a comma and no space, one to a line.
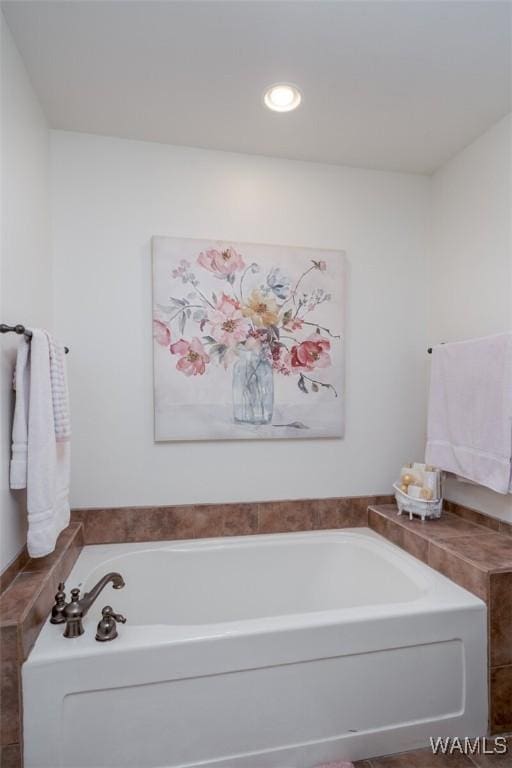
470,411
18,473
59,384
39,463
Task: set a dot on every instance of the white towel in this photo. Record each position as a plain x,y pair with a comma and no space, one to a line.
18,475
470,411
59,384
39,463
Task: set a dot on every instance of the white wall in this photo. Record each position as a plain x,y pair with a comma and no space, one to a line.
25,262
109,196
470,261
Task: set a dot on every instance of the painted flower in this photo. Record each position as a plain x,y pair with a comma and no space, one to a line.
183,271
311,354
292,323
161,333
280,359
228,325
262,310
222,263
321,265
278,283
193,357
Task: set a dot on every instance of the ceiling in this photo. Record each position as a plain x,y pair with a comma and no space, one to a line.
387,85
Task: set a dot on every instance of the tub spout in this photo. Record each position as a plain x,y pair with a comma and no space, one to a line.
89,597
78,608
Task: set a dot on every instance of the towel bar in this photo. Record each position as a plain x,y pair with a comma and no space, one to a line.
21,330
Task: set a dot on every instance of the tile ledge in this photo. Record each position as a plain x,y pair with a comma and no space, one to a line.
73,531
447,544
402,520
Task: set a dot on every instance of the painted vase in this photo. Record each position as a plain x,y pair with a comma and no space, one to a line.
253,387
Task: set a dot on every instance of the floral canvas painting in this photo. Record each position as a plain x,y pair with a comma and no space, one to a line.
248,341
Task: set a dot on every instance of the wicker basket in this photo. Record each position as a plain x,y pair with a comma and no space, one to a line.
419,507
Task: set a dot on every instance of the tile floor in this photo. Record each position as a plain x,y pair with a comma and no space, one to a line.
423,758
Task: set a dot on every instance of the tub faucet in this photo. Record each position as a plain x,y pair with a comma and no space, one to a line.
78,607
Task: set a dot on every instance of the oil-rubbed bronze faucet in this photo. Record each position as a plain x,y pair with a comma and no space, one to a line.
59,606
78,608
107,628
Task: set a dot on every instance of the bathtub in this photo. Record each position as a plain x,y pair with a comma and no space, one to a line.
279,651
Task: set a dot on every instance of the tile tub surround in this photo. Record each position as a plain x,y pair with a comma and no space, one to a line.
26,603
130,524
478,558
9,574
475,516
24,607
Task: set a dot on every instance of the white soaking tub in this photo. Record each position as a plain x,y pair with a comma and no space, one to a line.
278,651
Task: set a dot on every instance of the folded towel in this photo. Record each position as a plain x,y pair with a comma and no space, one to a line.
470,411
59,384
39,463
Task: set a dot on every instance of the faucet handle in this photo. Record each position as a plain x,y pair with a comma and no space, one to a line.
59,606
107,627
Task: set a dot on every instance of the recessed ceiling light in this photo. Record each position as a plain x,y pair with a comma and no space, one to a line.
282,97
